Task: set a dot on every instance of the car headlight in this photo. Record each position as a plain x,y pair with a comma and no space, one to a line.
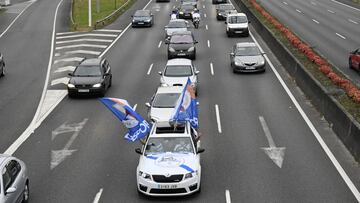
171,49
239,63
148,20
97,85
261,63
191,49
162,81
190,175
181,12
144,175
71,85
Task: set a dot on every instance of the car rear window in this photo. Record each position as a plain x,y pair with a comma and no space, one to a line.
165,100
247,51
181,39
141,13
178,71
237,19
87,71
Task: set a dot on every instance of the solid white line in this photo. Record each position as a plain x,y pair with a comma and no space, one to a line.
134,108
330,11
159,44
98,195
206,27
218,118
345,5
83,52
35,122
227,196
3,33
211,69
340,35
208,43
313,3
326,149
107,30
84,40
315,21
297,10
353,21
81,45
285,3
86,35
149,71
204,15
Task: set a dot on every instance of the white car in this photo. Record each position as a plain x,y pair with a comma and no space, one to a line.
163,102
237,24
177,71
169,163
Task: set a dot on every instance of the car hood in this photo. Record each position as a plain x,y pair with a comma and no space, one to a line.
238,25
169,163
177,80
85,80
161,114
169,31
249,60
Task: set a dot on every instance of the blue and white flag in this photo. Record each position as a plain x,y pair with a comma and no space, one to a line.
137,126
186,107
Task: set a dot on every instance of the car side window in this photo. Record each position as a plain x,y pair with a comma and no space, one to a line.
193,136
103,67
13,167
6,179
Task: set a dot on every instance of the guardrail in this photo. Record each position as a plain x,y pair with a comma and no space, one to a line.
112,16
342,123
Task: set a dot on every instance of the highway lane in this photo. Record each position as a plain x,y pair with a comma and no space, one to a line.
331,28
233,159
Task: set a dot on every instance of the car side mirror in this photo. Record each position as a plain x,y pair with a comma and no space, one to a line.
147,104
138,150
10,190
160,73
232,54
195,42
70,74
200,150
197,72
167,41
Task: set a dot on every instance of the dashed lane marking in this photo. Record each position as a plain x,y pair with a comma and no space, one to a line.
350,20
206,27
218,118
204,15
297,10
81,45
211,68
342,37
317,22
330,11
97,196
285,3
227,196
149,70
159,44
208,43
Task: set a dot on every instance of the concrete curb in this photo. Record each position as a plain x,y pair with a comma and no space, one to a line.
342,123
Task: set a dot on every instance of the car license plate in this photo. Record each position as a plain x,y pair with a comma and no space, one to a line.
140,23
167,186
250,68
238,31
181,54
83,90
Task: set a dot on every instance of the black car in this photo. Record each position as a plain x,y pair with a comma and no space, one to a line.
219,1
182,45
223,10
142,18
185,11
92,76
2,65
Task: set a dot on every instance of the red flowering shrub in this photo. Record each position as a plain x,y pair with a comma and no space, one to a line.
325,69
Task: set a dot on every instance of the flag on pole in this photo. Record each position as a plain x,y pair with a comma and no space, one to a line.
137,126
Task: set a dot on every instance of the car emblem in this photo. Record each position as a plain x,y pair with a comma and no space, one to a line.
167,175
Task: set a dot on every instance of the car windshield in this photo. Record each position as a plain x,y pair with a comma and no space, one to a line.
178,71
176,24
237,19
181,39
141,14
247,51
165,100
87,71
160,145
187,7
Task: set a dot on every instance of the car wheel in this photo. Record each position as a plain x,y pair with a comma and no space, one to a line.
26,193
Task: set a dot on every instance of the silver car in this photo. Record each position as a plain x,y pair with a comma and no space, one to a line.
177,71
247,57
14,181
2,65
178,25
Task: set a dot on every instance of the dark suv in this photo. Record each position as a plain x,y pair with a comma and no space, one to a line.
182,45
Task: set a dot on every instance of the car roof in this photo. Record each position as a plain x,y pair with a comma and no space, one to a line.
142,12
169,89
236,14
179,61
245,44
91,61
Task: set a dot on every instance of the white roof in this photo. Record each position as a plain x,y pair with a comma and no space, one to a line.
245,44
178,61
236,14
169,89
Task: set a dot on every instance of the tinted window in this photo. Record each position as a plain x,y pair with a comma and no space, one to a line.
247,51
181,39
177,24
187,7
141,13
6,179
87,71
169,144
237,19
178,71
165,100
14,168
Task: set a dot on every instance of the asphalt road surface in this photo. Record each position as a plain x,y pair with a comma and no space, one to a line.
78,153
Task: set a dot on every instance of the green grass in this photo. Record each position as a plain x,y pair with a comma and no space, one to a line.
80,11
352,107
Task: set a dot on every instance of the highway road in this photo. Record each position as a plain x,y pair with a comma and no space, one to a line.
78,153
331,27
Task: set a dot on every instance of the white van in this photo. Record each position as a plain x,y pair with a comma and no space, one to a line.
237,24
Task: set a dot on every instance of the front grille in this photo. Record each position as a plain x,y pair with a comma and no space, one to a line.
170,179
83,86
250,64
238,29
168,191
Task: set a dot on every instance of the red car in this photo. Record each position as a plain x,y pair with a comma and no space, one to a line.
354,60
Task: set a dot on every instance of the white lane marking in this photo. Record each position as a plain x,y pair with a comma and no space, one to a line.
341,36
350,20
108,30
218,118
297,10
134,108
57,54
63,80
318,137
173,6
72,59
83,52
65,69
121,34
36,121
98,195
81,45
208,43
84,40
330,11
149,70
159,44
204,15
313,3
285,3
65,33
3,33
227,196
317,22
52,99
86,35
211,68
206,27
203,6
345,5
